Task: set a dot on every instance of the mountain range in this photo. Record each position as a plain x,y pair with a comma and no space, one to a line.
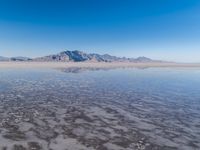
79,56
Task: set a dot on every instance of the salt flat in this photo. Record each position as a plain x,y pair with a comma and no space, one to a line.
92,65
117,109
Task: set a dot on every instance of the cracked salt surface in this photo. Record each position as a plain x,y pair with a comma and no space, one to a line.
122,109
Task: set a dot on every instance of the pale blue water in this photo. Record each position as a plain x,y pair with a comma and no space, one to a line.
163,105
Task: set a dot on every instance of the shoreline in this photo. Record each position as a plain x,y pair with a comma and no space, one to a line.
98,65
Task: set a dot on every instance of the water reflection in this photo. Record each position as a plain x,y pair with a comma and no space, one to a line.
114,109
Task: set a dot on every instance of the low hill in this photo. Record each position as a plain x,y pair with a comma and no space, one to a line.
4,58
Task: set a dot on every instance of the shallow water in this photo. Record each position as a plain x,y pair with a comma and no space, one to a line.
142,109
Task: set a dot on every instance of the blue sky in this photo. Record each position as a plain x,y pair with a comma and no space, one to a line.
159,29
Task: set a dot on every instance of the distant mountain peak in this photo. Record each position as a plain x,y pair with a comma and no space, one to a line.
143,59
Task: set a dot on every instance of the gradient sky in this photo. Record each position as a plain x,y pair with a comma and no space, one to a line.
159,29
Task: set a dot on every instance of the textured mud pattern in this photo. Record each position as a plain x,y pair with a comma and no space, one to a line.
52,110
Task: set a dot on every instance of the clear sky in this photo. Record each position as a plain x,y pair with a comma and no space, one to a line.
159,29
